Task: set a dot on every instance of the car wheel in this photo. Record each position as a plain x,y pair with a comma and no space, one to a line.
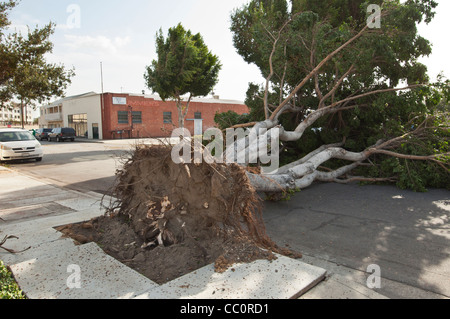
72,140
39,159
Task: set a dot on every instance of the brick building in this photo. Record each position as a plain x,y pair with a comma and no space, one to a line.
116,116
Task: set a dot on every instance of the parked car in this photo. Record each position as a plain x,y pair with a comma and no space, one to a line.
18,144
42,134
62,134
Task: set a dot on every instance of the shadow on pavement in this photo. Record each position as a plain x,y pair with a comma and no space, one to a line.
407,234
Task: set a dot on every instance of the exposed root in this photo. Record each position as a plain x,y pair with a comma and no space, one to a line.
11,251
170,204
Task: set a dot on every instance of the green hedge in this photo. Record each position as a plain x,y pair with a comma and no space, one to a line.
8,286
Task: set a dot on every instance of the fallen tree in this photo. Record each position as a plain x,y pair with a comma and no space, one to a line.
323,79
347,74
303,172
168,219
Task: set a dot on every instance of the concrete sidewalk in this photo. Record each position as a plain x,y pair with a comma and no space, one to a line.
54,267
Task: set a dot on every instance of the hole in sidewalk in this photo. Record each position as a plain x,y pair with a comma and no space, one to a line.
161,264
169,219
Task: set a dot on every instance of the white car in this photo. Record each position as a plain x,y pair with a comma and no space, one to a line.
17,144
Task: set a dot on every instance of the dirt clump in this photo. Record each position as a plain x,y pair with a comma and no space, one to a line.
170,219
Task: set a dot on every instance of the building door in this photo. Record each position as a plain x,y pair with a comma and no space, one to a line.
95,132
198,127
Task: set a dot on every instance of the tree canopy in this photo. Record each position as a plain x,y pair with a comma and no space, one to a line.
330,78
25,73
315,28
184,66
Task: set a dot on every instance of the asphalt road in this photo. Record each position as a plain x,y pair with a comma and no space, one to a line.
345,228
406,234
81,166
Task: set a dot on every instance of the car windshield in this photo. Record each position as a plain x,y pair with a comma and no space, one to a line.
15,136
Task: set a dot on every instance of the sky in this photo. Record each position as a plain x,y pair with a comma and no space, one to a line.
121,36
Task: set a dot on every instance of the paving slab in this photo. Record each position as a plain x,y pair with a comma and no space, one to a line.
33,211
32,243
38,251
41,271
339,287
28,227
17,182
283,278
99,275
44,196
37,234
80,204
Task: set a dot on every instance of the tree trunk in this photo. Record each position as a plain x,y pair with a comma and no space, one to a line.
303,172
182,113
180,117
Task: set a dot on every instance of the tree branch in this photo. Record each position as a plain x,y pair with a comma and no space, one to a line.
405,156
336,86
315,70
372,93
274,48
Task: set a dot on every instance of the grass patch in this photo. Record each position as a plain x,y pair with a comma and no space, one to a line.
8,286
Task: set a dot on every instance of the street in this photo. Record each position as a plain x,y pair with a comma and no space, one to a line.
405,234
81,166
342,228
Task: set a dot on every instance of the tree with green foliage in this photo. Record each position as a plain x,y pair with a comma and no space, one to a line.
25,73
348,98
8,60
184,66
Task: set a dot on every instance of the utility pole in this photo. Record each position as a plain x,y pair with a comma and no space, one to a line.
102,102
101,73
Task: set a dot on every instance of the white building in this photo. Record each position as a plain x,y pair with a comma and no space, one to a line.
11,115
72,112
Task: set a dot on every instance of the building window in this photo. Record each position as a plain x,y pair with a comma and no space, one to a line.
198,115
167,117
79,123
137,117
123,117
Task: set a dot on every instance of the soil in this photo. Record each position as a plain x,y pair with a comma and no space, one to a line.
171,219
